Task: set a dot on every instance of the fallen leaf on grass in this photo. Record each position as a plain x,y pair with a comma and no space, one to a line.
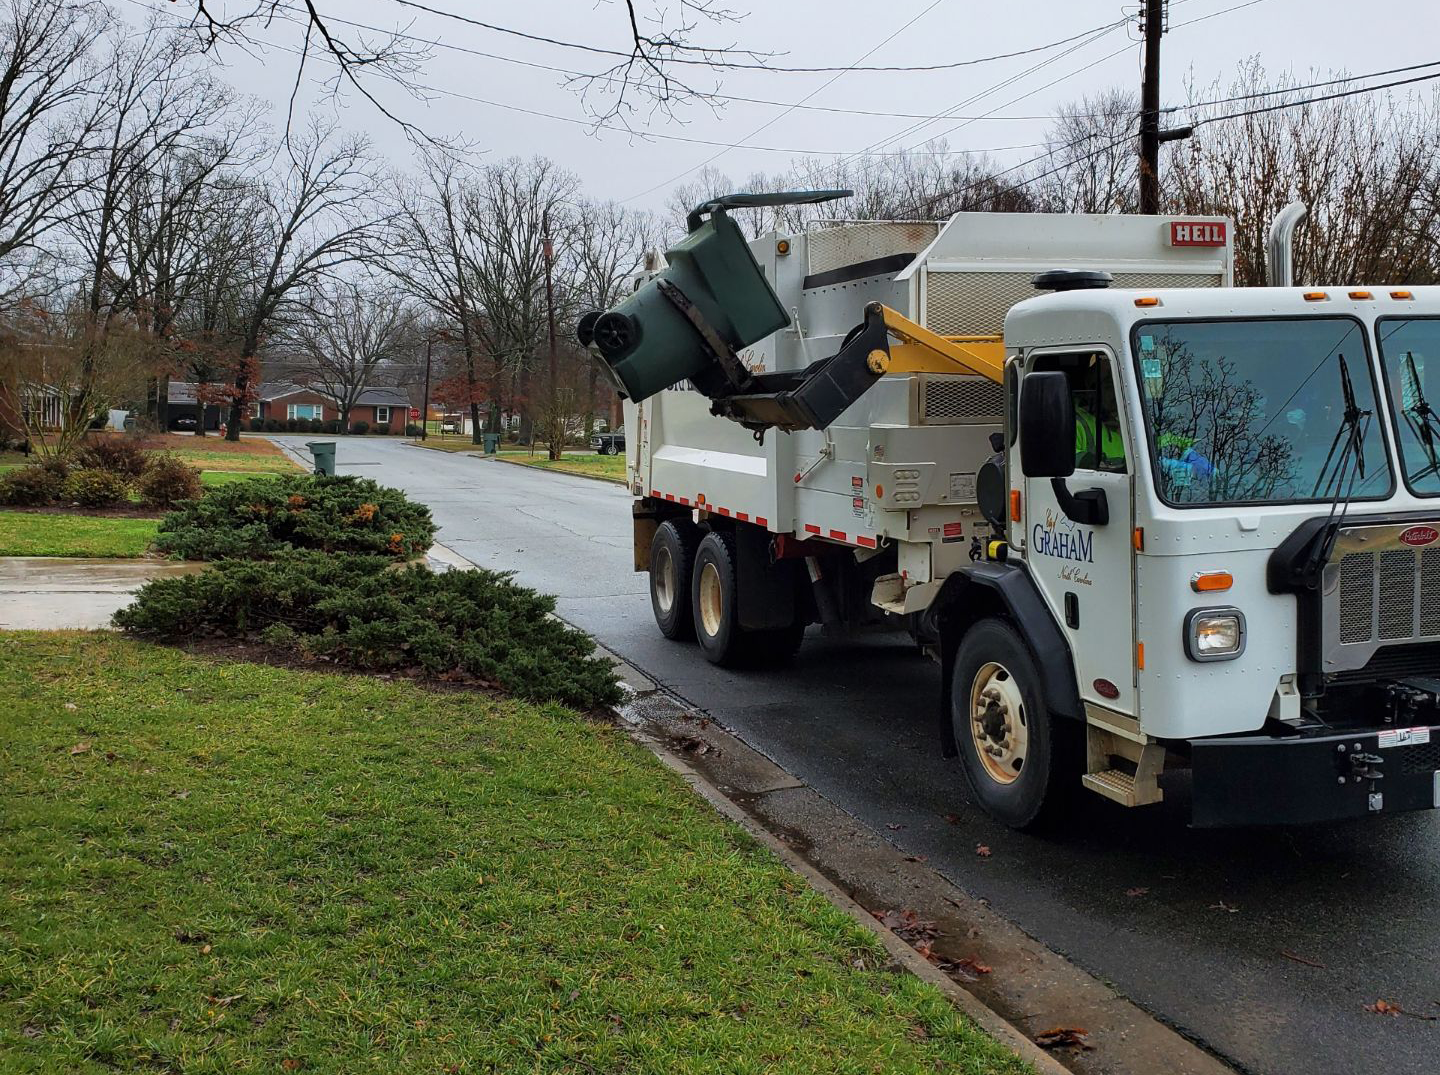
982,850
71,706
1064,1037
290,1064
82,747
1133,892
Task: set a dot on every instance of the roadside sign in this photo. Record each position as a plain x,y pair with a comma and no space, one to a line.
414,412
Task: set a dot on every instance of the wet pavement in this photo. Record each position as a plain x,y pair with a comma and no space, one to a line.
54,593
1265,945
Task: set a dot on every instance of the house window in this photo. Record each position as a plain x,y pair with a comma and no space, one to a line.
382,416
255,410
305,410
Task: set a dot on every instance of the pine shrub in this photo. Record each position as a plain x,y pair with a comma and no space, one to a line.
168,481
264,517
122,455
359,612
257,425
95,488
274,425
360,428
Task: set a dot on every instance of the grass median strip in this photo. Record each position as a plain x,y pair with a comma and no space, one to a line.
229,866
609,467
24,533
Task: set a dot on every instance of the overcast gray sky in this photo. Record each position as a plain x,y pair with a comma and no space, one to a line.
1298,36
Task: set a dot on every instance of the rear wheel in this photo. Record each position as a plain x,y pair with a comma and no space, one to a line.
712,596
672,555
1011,749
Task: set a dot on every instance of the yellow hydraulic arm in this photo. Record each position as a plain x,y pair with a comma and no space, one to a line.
921,351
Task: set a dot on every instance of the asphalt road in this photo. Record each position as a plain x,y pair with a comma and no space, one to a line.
1265,945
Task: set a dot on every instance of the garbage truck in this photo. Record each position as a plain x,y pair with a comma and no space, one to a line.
1144,520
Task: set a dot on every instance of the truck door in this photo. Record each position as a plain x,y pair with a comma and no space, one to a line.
1085,570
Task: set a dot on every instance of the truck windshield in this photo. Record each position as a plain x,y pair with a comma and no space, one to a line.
1251,411
1410,354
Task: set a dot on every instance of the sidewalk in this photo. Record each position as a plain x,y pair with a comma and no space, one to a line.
53,593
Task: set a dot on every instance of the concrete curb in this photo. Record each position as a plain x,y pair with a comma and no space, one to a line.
566,473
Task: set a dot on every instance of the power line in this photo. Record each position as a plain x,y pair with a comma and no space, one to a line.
775,119
790,150
730,64
1297,89
1316,100
707,95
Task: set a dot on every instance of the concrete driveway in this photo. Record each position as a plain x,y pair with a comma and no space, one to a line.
1264,945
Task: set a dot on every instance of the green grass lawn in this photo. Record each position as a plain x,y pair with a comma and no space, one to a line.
215,866
611,467
225,477
39,534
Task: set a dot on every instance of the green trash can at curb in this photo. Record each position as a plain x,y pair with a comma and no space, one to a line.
492,443
323,451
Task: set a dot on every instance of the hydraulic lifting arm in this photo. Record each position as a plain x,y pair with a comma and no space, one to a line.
885,342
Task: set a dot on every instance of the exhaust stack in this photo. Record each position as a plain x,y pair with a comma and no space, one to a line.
1279,245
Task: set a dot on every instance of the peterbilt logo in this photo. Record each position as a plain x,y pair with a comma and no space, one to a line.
1420,535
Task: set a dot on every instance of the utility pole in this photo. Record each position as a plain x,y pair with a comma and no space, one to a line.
1154,26
557,423
425,406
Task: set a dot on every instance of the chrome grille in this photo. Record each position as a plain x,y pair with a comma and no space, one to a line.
1357,596
1430,592
961,303
1397,593
960,400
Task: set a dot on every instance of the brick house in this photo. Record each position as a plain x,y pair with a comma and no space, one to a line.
384,408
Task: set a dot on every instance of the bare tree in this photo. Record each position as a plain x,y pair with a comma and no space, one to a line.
433,265
344,336
1091,163
320,213
1368,167
49,116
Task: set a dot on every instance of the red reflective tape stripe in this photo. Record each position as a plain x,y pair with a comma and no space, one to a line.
669,496
869,543
684,501
809,529
760,520
743,516
655,493
837,535
723,511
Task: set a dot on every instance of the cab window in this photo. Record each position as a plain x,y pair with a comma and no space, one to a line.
1099,444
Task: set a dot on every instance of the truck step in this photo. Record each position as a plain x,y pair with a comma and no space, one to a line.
1114,784
1120,783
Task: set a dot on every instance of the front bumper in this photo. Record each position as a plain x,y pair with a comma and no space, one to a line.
1293,780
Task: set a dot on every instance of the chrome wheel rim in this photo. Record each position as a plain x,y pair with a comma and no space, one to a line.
998,723
663,578
711,602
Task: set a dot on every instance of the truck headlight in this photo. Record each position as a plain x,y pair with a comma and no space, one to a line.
1214,634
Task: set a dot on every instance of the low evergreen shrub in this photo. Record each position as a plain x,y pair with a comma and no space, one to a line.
333,426
95,488
360,428
168,481
257,425
33,485
264,517
274,425
360,612
413,429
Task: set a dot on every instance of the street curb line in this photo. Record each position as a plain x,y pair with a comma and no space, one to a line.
981,1014
567,473
986,1018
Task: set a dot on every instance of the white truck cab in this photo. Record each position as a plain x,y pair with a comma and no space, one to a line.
1144,521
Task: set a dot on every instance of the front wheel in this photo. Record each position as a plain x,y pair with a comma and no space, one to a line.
1010,745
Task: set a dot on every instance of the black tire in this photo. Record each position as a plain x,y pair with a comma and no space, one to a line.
672,556
712,602
996,681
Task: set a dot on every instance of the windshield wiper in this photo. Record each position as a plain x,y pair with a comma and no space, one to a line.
1349,442
1422,418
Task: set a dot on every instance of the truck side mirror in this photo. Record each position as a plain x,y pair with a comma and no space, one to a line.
1047,426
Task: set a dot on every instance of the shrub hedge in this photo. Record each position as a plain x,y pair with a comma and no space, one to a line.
168,480
360,612
126,456
263,517
360,428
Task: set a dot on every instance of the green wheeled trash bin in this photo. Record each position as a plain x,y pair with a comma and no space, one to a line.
492,443
323,452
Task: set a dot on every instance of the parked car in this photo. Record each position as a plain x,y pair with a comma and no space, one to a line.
608,443
184,423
